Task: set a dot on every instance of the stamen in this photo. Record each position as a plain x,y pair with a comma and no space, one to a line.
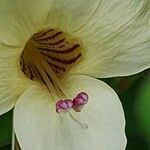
47,56
79,101
63,106
82,124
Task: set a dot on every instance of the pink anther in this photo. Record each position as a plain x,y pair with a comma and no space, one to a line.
79,101
63,106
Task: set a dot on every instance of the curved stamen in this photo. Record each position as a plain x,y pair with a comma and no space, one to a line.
82,124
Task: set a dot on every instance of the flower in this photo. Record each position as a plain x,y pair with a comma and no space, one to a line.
50,52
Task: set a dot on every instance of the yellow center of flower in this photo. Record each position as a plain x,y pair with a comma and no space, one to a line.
48,56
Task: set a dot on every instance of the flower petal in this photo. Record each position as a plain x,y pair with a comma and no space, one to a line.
12,80
10,90
19,20
38,126
116,40
70,15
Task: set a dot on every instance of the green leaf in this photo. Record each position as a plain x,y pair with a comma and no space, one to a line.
143,108
127,89
5,129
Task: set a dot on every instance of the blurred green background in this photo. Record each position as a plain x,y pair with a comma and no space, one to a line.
134,93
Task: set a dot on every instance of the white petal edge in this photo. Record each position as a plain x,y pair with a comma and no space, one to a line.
10,90
116,40
12,80
19,20
38,126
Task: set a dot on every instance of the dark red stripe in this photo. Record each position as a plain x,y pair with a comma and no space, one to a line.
38,74
69,50
53,44
50,37
33,71
59,42
42,34
27,72
57,67
62,46
65,62
49,78
23,65
30,72
55,70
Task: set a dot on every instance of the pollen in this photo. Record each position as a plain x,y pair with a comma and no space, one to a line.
64,106
79,101
48,56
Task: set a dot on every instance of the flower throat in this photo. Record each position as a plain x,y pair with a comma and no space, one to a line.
48,55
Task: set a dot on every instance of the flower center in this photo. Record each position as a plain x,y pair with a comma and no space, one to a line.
48,56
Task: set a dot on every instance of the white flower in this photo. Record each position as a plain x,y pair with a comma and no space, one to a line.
61,45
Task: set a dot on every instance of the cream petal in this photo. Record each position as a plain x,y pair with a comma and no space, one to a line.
25,17
20,19
9,62
10,90
38,126
70,15
12,80
116,39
